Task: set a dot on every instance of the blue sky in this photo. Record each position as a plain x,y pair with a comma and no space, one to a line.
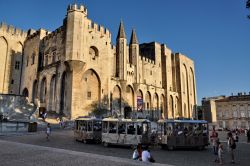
214,33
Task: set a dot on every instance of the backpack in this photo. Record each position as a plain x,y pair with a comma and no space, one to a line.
233,146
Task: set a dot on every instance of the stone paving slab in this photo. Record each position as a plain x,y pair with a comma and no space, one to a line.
19,154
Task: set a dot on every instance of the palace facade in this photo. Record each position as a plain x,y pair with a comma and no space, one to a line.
76,69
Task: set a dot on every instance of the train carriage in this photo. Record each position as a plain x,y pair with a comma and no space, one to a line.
88,129
128,132
183,133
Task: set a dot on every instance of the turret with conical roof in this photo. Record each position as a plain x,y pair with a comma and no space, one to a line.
121,32
121,53
134,53
133,39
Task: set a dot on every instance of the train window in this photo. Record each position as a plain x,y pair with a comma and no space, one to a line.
105,127
90,125
112,127
97,126
131,128
169,129
83,125
121,128
145,128
139,129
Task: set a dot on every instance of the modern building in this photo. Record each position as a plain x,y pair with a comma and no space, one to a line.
209,108
76,69
234,111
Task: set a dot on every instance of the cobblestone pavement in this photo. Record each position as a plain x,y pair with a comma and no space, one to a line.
64,139
19,154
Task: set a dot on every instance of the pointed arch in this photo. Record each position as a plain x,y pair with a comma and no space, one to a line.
171,106
148,104
187,91
43,90
34,90
91,91
25,92
178,112
63,93
156,101
130,95
3,60
116,98
52,93
193,85
139,100
163,110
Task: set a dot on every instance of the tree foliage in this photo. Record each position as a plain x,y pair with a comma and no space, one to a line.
248,6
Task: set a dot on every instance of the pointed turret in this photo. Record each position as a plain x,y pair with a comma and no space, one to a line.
133,39
121,32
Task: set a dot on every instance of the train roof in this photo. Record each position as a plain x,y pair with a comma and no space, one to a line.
181,121
124,120
88,118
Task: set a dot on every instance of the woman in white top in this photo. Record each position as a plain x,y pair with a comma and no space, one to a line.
146,156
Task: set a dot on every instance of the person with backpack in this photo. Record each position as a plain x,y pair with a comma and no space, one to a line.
231,146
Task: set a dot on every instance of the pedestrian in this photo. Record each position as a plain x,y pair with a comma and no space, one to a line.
48,131
137,153
231,146
248,136
214,140
146,156
217,144
220,153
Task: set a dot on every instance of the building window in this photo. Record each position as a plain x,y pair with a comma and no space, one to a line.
150,72
12,81
93,52
27,61
33,58
243,114
53,56
89,95
235,114
17,65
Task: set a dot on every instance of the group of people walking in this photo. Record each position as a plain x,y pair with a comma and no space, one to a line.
218,148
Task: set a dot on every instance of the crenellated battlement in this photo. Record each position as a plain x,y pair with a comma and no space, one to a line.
147,60
12,30
94,27
50,35
79,8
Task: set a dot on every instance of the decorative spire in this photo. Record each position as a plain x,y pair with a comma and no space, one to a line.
121,32
133,39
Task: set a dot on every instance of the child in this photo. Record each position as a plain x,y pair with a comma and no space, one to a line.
220,153
48,131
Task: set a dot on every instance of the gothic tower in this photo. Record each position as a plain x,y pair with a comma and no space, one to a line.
121,53
134,54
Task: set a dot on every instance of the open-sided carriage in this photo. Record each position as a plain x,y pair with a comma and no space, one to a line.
128,132
88,129
183,133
